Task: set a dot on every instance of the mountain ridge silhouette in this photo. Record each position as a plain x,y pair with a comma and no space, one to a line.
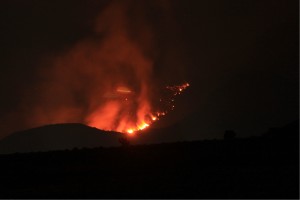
58,137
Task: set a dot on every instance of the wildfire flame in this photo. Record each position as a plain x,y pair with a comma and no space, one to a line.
128,123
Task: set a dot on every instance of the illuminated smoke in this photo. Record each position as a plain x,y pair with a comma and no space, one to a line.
106,80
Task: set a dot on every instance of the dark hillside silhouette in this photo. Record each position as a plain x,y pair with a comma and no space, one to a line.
58,137
264,166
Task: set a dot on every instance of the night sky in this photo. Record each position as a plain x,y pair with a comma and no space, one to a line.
240,58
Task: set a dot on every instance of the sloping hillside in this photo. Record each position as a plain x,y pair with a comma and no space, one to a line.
58,137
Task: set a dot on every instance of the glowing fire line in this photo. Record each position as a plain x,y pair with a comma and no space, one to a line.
155,117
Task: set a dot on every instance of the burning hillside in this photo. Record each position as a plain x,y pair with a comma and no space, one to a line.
120,113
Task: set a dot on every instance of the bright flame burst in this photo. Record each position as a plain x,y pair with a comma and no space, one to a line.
127,122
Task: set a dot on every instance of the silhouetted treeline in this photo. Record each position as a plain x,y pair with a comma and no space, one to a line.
256,167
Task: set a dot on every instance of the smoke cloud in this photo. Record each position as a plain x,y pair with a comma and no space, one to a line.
108,80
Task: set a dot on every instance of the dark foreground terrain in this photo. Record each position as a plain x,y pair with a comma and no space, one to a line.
257,167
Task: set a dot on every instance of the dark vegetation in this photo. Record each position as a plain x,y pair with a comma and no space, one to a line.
258,167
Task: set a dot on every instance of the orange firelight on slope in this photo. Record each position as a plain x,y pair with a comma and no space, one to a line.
130,131
140,126
177,89
116,114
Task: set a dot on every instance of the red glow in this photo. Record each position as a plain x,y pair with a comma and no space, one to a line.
106,81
